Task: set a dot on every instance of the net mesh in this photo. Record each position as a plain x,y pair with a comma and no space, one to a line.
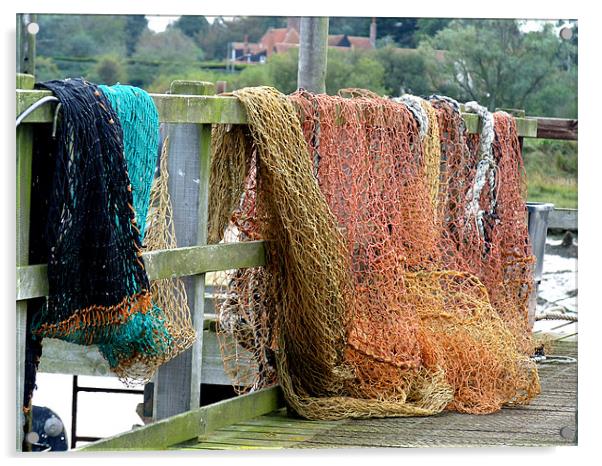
169,294
371,303
104,156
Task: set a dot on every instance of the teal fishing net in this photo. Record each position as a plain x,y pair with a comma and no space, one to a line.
104,154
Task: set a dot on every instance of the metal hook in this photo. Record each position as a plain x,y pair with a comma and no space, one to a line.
34,106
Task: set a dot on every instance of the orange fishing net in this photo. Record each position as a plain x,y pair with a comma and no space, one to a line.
369,304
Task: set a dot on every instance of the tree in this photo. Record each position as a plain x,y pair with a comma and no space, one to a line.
166,52
352,26
191,26
402,30
358,69
109,70
282,70
405,71
79,38
47,69
492,61
135,25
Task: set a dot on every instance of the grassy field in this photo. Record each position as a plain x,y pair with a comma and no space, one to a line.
551,171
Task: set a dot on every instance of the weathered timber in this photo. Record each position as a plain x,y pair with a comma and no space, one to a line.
60,357
557,128
201,109
196,423
313,52
218,110
23,198
549,420
177,383
32,281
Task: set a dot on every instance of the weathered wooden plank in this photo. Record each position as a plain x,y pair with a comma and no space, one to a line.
563,219
198,422
235,443
221,110
32,281
557,128
60,357
525,127
174,389
241,433
172,108
198,311
24,146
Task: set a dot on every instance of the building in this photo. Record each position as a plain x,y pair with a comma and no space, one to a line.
279,40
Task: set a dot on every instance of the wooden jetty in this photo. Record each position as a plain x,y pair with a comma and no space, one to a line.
259,421
245,422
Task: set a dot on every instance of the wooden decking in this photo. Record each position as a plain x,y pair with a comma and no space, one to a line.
548,421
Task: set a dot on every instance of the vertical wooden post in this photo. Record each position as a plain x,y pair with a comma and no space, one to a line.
178,383
313,50
26,44
24,159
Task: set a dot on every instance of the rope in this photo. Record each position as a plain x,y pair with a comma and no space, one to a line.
556,316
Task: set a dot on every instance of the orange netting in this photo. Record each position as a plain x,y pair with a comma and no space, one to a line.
375,300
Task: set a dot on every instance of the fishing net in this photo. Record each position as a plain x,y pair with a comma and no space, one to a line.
104,155
169,294
359,301
484,227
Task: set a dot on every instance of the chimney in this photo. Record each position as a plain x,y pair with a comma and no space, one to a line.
373,33
246,46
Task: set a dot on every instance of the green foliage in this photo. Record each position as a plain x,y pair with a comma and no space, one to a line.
492,61
78,38
135,26
404,71
46,69
216,39
551,168
402,30
354,69
251,76
168,52
282,70
352,26
191,25
109,70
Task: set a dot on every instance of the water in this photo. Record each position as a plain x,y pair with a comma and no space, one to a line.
558,289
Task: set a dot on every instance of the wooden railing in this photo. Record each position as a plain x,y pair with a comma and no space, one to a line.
194,261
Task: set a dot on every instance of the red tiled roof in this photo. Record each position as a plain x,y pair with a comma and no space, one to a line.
335,39
292,36
360,42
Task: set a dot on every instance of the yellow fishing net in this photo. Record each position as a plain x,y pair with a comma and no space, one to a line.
357,312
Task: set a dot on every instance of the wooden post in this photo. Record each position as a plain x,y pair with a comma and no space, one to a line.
26,45
24,158
178,382
313,50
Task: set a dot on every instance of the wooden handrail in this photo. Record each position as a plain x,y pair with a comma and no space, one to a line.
32,281
215,110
